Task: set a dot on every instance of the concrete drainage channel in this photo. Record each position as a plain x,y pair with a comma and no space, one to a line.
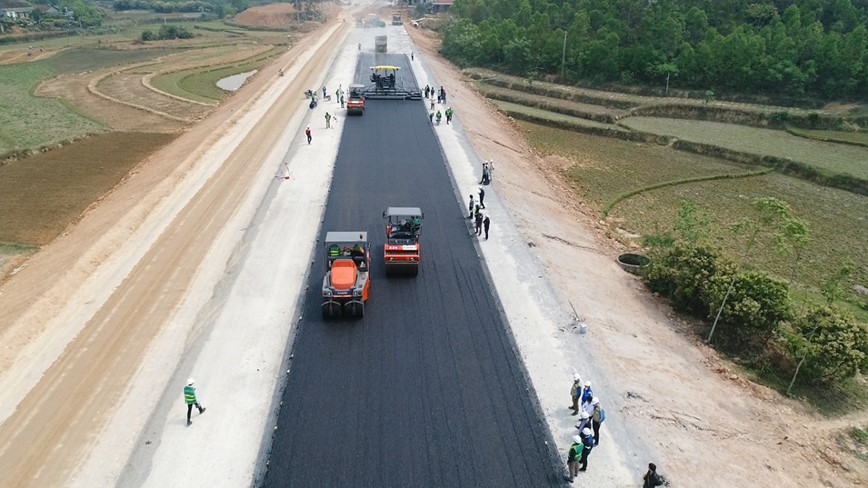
635,264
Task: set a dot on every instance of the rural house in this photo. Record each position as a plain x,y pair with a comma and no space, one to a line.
15,10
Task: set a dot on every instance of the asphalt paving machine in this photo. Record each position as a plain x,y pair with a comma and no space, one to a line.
347,281
387,85
402,251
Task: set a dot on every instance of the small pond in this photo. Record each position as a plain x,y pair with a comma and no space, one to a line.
234,82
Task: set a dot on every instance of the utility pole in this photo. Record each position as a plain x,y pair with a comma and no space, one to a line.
564,55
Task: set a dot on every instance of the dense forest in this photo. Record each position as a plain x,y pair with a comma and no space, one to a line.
790,48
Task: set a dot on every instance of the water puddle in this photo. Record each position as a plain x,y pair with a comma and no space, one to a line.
234,82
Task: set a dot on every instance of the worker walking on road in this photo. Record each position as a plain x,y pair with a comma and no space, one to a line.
486,222
307,133
573,456
191,399
328,118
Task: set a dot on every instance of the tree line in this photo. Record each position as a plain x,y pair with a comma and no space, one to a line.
791,48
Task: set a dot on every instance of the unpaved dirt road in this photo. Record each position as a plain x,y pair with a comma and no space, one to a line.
78,383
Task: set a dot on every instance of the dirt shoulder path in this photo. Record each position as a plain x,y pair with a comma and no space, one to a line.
707,426
80,316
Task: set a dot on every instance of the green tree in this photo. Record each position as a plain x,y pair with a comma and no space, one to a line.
773,220
833,345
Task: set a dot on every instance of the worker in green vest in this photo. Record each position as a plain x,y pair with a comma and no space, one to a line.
573,457
190,398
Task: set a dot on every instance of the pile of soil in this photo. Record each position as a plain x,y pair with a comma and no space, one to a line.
272,16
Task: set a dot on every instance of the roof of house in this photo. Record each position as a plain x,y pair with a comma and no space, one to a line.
12,4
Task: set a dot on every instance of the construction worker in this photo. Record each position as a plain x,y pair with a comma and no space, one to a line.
470,207
485,175
486,222
479,218
338,95
342,100
576,389
584,422
328,118
449,114
439,117
597,418
334,251
190,399
587,395
651,478
573,456
415,224
587,445
481,197
307,133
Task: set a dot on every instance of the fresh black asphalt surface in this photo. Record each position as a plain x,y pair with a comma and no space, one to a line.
427,389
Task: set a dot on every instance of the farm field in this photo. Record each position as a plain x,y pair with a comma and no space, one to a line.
585,110
538,113
837,219
859,138
829,157
27,121
200,83
42,194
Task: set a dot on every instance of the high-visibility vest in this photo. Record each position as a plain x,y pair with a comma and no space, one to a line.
576,450
189,394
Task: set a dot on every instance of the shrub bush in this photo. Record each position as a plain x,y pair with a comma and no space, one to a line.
834,344
757,304
682,272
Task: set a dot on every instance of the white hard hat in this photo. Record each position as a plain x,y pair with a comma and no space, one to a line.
577,439
587,384
585,415
191,381
595,401
586,431
576,377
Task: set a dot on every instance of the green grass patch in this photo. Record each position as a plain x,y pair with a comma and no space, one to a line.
856,138
825,156
582,110
633,165
79,60
849,396
836,219
547,115
41,195
200,84
607,168
27,121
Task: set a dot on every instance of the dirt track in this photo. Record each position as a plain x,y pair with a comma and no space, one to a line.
58,417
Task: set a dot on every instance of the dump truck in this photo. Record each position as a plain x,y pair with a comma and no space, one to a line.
380,44
402,252
396,18
347,282
356,102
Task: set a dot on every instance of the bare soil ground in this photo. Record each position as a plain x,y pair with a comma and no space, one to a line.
709,426
272,16
105,353
73,89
